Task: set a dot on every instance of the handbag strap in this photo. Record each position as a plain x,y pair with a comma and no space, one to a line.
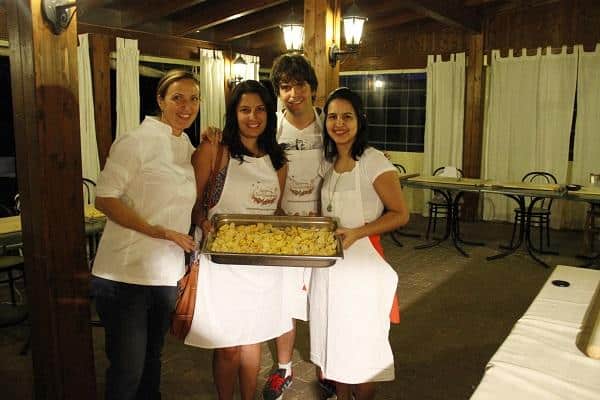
212,178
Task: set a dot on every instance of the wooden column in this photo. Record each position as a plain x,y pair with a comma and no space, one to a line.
473,131
46,121
322,21
100,60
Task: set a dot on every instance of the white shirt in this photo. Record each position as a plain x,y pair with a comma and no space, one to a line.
150,170
372,163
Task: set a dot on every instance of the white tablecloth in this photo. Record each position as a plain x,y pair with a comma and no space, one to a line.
540,359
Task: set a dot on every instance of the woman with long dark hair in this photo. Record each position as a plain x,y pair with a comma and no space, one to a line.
352,302
239,307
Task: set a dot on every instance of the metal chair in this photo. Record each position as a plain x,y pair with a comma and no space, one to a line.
400,168
88,185
540,214
438,207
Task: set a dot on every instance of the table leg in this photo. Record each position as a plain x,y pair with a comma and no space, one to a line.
456,225
510,249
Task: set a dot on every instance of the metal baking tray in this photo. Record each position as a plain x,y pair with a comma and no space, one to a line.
272,259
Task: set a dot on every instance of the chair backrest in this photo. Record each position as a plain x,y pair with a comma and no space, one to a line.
440,171
88,184
5,211
400,168
544,178
17,204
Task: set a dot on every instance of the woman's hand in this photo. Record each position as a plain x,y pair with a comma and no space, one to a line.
185,241
349,236
212,135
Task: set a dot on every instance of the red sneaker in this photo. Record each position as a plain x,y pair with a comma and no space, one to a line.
276,385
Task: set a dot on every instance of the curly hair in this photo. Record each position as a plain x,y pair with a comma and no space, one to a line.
293,67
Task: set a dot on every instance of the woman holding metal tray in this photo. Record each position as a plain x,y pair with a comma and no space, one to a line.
352,302
238,307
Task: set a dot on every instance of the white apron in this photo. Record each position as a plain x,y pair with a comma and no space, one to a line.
350,302
239,305
300,197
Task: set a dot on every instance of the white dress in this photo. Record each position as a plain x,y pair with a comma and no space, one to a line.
350,302
237,304
304,150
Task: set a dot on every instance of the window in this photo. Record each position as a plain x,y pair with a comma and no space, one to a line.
150,73
395,107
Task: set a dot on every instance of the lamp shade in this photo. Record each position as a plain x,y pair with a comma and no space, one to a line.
354,21
239,68
293,35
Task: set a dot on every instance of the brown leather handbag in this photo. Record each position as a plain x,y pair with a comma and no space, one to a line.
181,320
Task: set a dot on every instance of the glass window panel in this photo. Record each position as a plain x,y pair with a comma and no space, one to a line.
395,108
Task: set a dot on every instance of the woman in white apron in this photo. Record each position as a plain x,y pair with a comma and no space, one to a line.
239,307
350,302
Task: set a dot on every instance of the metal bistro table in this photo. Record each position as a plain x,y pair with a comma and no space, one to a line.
452,189
518,192
591,195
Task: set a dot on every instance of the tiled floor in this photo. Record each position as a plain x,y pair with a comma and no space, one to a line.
456,311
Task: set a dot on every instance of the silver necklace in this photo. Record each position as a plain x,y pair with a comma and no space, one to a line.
331,193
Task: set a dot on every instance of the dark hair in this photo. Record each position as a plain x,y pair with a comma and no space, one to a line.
361,139
266,141
293,67
171,77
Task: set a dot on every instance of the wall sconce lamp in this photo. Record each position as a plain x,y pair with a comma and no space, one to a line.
239,70
293,33
58,13
354,21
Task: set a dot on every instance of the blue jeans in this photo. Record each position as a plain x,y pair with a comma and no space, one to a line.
136,319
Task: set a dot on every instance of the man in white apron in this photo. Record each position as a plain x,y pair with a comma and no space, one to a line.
299,131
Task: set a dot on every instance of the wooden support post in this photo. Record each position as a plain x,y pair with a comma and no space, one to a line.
100,60
322,29
473,133
48,149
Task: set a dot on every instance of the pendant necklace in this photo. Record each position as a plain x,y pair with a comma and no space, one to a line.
331,193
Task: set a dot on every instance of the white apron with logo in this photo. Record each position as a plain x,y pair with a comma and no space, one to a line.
235,304
300,197
350,302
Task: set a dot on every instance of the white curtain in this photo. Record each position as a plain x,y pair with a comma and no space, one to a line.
90,164
587,130
212,89
528,121
445,110
252,66
128,85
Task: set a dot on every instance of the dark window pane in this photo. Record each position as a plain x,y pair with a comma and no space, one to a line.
376,115
396,134
397,98
416,135
416,99
395,107
376,133
416,117
397,147
414,148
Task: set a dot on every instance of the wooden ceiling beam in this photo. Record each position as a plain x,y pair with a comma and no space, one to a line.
443,12
384,22
219,12
145,11
254,23
267,38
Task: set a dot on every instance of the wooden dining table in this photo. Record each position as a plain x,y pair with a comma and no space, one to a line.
11,235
